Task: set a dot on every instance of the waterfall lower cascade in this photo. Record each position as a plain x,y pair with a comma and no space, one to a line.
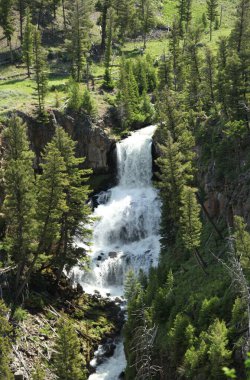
126,231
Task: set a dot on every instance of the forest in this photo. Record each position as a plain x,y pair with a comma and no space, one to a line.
81,84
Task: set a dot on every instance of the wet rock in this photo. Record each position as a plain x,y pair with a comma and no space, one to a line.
112,255
79,288
148,251
118,300
99,258
109,349
122,376
19,375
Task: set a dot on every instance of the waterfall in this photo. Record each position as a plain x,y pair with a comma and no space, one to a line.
126,230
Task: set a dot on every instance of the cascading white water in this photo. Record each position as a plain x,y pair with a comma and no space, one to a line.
126,231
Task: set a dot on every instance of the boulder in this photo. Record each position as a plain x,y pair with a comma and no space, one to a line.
112,255
19,375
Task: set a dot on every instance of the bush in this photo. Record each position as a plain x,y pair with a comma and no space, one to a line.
20,314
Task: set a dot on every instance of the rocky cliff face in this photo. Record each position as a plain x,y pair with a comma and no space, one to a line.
222,199
92,141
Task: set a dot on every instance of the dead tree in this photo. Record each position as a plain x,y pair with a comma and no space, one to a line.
143,347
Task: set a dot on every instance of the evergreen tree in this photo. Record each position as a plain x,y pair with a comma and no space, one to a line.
165,72
221,80
27,45
181,15
6,21
193,59
188,15
68,360
125,18
19,202
79,37
128,97
50,207
175,172
76,214
21,9
108,51
209,78
218,353
190,223
177,59
74,102
88,104
241,32
242,241
212,13
5,347
147,11
103,6
40,73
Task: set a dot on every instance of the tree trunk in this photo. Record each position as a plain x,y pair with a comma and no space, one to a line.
64,15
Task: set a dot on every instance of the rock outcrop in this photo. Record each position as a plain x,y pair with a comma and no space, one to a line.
92,141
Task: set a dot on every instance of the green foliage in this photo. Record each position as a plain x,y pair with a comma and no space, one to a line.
68,360
20,200
88,104
5,347
40,73
190,219
76,211
20,314
79,41
74,102
28,42
38,373
212,13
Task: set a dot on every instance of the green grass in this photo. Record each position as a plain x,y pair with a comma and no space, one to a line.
18,92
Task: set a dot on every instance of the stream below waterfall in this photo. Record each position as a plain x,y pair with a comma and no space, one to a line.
125,233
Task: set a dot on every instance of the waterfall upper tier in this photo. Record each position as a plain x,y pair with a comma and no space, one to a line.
126,231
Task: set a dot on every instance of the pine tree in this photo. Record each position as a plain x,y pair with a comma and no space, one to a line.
6,21
165,73
188,14
74,102
218,353
50,207
76,214
221,80
88,104
108,51
5,347
209,78
147,11
212,13
79,37
68,360
27,44
242,241
194,67
190,224
103,6
125,18
128,96
21,9
19,203
181,15
175,172
40,73
239,38
177,59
